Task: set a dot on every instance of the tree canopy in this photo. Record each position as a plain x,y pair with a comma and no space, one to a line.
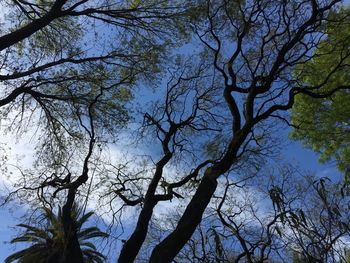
78,77
323,124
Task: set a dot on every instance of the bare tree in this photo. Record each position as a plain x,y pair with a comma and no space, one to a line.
283,219
255,51
172,122
256,58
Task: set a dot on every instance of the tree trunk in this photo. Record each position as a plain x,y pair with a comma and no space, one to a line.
72,252
166,250
133,245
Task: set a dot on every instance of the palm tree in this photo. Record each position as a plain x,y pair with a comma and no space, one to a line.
48,244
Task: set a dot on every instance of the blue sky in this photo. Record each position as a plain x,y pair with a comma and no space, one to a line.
294,152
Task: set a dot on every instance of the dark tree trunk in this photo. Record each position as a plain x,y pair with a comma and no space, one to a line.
72,252
166,250
133,245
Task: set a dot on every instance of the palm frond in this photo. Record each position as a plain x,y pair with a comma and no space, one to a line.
48,243
84,218
93,253
33,251
88,244
28,238
91,232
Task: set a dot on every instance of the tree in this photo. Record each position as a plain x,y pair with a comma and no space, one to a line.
325,127
48,241
47,67
321,237
257,83
253,55
49,75
75,96
246,222
214,119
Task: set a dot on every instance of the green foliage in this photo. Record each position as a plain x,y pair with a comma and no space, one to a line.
69,62
324,124
48,243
